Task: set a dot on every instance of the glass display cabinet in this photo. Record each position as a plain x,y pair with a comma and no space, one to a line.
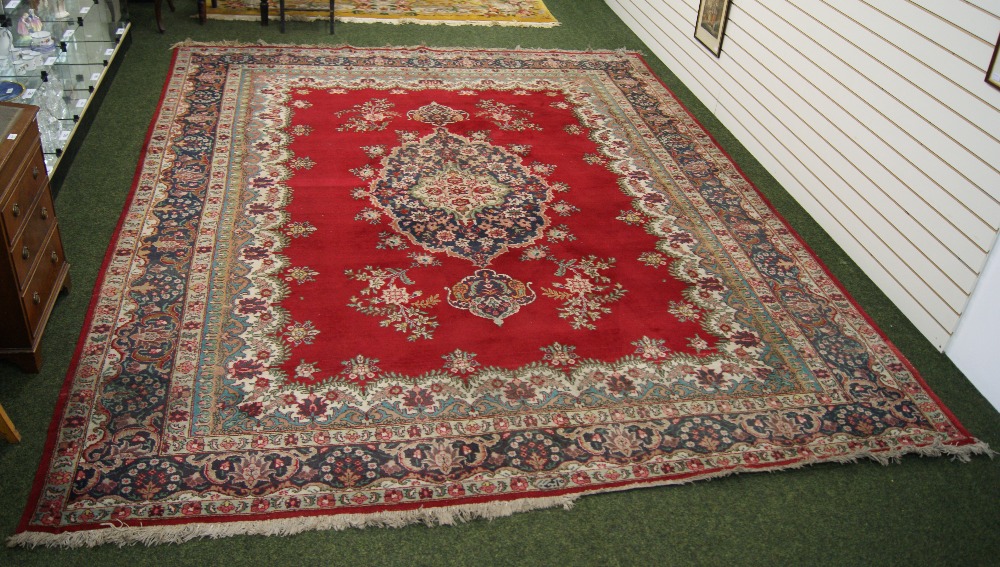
56,55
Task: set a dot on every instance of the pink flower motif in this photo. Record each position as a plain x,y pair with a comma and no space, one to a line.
191,508
393,496
639,471
580,478
456,490
326,501
519,483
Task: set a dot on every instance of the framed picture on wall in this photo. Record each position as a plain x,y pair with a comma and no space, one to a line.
711,25
993,71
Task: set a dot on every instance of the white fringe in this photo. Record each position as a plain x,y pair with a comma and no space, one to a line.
156,535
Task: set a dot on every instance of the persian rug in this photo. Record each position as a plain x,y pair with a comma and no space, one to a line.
369,287
525,13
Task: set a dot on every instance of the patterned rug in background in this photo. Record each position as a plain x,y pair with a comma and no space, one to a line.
526,13
360,287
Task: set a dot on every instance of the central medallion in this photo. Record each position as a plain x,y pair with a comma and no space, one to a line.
458,192
466,198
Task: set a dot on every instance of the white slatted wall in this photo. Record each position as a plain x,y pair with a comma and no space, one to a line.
874,115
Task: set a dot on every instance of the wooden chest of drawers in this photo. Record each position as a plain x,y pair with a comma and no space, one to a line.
33,269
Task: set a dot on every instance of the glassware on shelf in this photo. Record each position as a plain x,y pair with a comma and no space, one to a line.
6,48
50,94
50,130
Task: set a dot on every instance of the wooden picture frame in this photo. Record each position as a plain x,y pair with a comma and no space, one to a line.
710,26
993,71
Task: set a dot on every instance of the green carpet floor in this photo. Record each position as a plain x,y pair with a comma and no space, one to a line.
922,511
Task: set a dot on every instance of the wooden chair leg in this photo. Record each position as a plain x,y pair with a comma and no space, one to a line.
157,4
7,429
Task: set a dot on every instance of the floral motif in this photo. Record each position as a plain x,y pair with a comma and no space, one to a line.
631,217
559,233
299,229
301,274
584,299
373,115
559,355
301,163
506,116
684,311
653,259
461,363
651,348
391,241
301,333
398,307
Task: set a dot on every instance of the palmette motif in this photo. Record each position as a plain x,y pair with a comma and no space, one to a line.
212,385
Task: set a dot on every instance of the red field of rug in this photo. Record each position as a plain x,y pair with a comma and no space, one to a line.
370,287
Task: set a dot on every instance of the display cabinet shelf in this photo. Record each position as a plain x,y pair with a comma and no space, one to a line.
58,55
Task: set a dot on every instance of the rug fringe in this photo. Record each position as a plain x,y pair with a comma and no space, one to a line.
157,535
439,516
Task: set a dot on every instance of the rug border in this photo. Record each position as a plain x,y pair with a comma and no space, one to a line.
61,401
444,513
822,263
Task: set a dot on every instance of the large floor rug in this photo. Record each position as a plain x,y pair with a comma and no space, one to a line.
527,13
369,287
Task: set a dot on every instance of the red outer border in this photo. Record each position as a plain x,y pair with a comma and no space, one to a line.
52,434
53,429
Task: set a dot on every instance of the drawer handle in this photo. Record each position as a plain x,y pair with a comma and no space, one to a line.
35,298
16,210
55,257
34,172
45,213
25,253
